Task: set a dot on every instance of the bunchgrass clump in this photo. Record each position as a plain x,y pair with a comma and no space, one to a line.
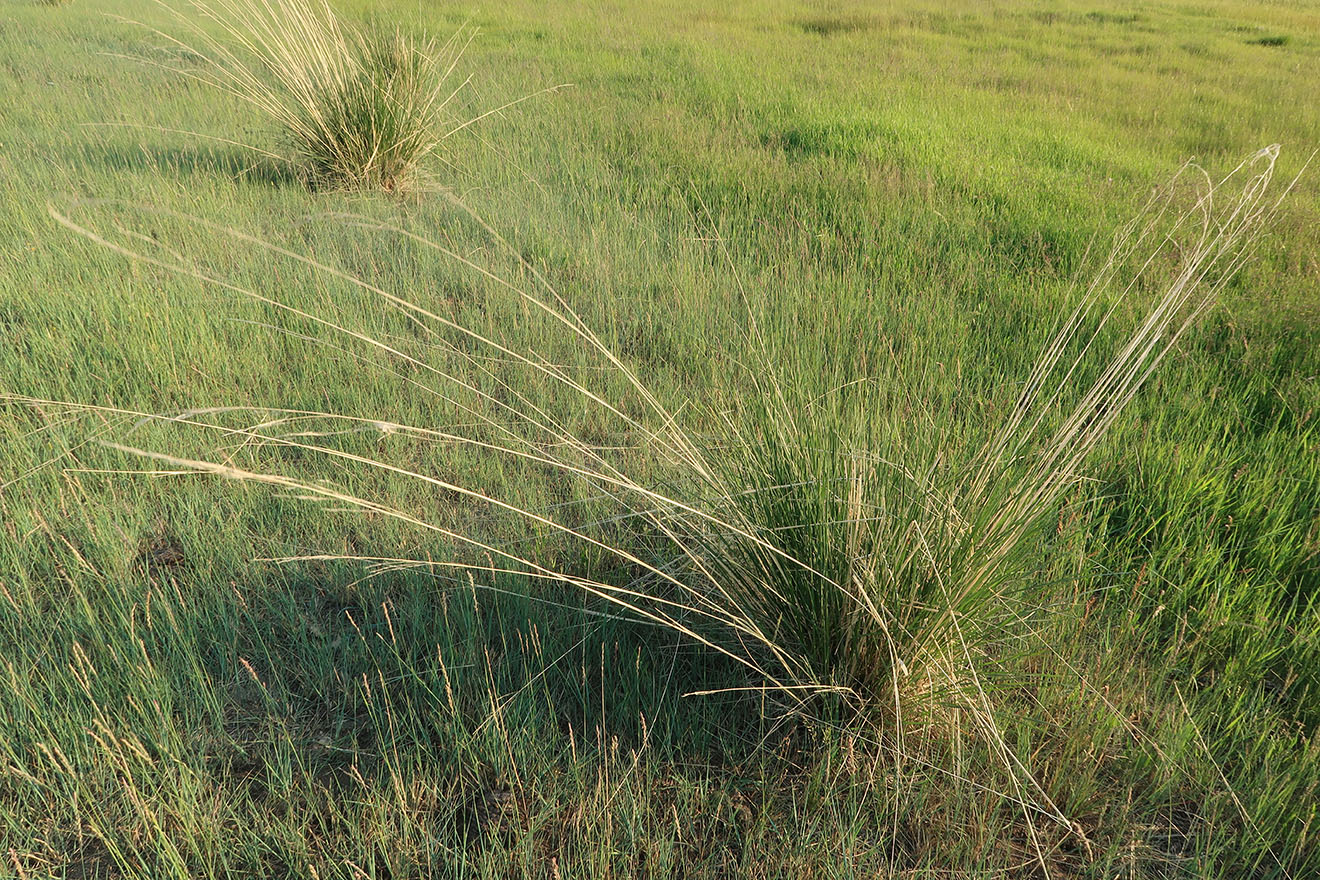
875,550
356,108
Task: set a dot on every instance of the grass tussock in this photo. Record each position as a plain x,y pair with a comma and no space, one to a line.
357,108
875,551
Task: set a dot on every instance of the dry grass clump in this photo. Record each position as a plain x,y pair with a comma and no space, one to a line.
874,553
358,108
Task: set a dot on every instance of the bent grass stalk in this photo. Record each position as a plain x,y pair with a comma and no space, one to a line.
820,564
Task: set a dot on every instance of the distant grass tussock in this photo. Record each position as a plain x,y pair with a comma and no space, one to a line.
830,25
360,109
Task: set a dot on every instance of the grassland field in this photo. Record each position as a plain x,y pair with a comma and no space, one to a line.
894,195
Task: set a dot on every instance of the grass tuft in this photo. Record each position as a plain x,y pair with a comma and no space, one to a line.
875,551
832,25
357,108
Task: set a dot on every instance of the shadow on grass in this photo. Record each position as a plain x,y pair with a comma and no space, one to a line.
493,694
305,703
234,163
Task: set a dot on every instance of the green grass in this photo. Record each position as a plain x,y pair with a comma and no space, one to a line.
174,708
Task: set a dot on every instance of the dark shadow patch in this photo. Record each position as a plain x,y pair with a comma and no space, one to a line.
1119,18
160,552
1049,18
203,161
487,809
93,859
839,139
833,25
1270,40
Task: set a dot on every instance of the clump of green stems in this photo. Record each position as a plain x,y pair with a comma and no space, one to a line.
879,553
357,108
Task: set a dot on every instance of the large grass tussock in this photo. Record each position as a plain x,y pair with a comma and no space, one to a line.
882,553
